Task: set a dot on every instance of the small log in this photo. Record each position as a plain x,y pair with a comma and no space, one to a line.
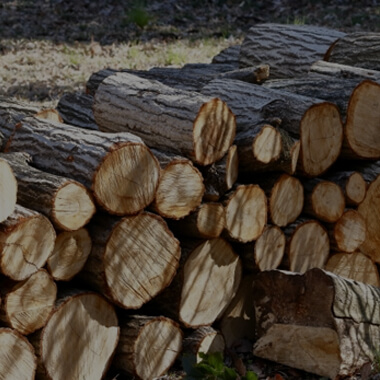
324,200
67,203
246,213
360,49
70,254
335,342
8,190
26,241
288,49
28,304
107,164
356,266
17,357
132,259
148,346
198,127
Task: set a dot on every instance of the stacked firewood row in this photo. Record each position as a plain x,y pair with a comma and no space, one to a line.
155,213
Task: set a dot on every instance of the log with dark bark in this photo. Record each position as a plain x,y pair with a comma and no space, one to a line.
196,126
334,342
229,55
288,49
26,241
120,170
67,203
8,190
148,346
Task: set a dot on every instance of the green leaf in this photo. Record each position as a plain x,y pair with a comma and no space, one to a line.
215,360
250,376
230,374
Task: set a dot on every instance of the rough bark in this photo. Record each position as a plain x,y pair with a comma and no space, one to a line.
69,255
229,55
198,127
119,169
67,203
148,346
8,189
26,241
288,49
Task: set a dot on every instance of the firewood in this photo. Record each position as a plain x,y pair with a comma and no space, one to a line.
360,49
67,203
324,200
288,49
355,266
229,55
148,346
26,241
246,213
27,305
198,127
88,332
8,190
49,114
334,342
71,250
17,357
120,170
132,259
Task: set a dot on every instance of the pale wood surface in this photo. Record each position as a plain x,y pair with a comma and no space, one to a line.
8,190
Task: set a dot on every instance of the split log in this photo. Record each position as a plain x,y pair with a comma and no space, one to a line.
120,170
88,332
195,298
8,190
67,203
355,266
70,254
324,200
288,49
26,241
49,114
246,213
229,55
148,346
132,259
198,127
17,357
335,342
308,245
27,305
360,49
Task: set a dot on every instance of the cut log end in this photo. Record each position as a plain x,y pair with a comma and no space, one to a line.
8,190
266,146
211,220
356,189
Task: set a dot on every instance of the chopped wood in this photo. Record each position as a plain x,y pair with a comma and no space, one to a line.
49,114
120,170
8,190
27,305
288,49
26,241
198,127
67,203
229,55
148,346
71,250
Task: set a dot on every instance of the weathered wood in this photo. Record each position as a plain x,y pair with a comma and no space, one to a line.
26,241
288,49
198,127
148,346
71,250
67,203
49,114
27,305
8,190
229,55
119,169
334,342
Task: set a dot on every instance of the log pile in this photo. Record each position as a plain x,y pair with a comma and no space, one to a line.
167,211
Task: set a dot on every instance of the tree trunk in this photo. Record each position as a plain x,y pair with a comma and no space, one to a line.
8,190
26,241
70,253
27,305
67,203
198,127
288,49
335,342
120,170
132,259
148,346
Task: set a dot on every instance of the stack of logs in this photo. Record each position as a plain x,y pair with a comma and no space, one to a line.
179,210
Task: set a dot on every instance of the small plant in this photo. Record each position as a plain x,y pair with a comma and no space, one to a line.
212,367
139,15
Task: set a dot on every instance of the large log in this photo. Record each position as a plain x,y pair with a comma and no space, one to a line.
198,127
336,341
67,203
8,190
120,170
229,55
288,49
